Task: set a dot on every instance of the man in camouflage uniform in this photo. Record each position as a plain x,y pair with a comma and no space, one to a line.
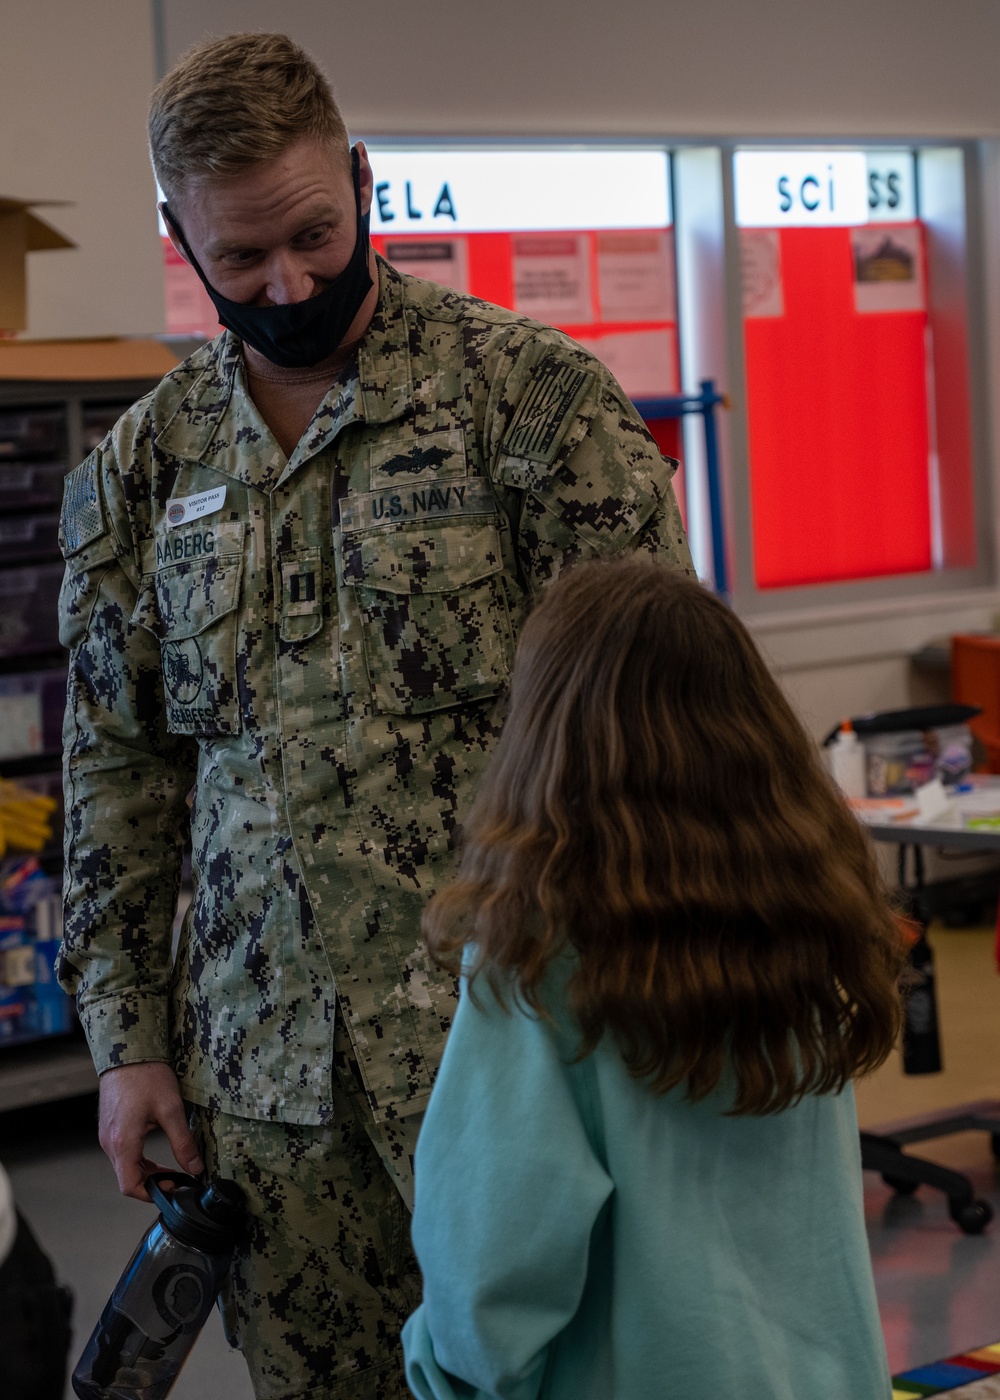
292,645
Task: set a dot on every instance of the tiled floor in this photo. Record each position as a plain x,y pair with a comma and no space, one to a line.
939,1290
66,1188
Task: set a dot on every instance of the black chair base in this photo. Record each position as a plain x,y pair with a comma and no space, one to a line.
883,1152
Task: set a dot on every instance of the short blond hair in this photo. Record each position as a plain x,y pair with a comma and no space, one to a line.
230,103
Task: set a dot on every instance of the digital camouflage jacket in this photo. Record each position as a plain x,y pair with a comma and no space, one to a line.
302,663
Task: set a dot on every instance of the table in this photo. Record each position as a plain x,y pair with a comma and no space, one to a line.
881,1150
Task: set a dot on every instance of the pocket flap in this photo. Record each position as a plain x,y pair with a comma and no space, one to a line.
418,559
189,598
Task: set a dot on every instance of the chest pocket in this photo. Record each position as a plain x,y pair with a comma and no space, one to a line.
433,612
192,608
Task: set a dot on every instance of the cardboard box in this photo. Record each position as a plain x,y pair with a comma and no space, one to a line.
85,360
21,233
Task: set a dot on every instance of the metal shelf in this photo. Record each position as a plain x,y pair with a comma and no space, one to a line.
44,1072
47,1070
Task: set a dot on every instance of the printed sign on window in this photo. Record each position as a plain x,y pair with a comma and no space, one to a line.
635,275
189,307
760,264
552,277
20,725
443,260
888,268
643,362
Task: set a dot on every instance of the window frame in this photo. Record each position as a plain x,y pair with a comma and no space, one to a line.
723,356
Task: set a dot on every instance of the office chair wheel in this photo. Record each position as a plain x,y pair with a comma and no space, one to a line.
971,1217
900,1184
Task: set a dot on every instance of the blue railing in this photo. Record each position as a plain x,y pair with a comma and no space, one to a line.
705,403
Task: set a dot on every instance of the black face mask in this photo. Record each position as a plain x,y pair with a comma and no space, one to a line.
304,332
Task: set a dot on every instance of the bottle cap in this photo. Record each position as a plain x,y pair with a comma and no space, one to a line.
208,1217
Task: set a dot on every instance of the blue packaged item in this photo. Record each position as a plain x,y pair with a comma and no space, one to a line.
23,883
32,1003
50,1010
17,976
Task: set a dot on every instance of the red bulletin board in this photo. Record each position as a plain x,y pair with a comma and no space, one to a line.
836,340
613,291
618,285
188,306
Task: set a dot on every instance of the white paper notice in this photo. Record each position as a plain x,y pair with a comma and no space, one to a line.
189,307
443,260
932,800
760,264
888,268
635,275
552,277
643,362
20,725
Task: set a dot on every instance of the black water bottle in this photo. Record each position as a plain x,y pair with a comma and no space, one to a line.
166,1293
921,1040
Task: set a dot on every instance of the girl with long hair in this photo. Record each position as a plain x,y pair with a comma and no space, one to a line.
639,1175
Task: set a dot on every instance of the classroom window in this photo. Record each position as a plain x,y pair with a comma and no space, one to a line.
581,239
856,362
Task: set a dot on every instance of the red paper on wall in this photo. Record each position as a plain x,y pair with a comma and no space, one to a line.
611,291
838,415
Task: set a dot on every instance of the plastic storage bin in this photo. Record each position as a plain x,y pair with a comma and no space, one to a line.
31,484
975,680
28,536
33,432
31,713
99,419
901,762
29,597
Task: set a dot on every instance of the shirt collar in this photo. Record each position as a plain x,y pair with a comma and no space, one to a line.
219,427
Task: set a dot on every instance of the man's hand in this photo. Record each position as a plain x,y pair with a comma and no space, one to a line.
136,1099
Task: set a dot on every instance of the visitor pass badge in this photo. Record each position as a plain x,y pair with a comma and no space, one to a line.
181,509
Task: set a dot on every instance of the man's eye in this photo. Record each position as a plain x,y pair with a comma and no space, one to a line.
312,236
242,257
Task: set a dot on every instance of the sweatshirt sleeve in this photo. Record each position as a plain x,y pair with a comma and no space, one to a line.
509,1185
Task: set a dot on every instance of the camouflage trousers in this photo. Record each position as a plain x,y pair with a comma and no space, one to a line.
318,1295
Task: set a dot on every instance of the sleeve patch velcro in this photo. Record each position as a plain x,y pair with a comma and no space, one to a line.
546,411
82,509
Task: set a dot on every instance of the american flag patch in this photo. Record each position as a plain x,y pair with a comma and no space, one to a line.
82,508
546,410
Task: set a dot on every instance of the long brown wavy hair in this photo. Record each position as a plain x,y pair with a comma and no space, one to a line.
655,806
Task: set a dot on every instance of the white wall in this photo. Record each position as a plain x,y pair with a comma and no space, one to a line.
656,67
75,79
74,84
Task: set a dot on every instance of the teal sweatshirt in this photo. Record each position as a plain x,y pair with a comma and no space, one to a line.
583,1239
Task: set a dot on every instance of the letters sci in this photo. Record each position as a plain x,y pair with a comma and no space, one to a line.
777,189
